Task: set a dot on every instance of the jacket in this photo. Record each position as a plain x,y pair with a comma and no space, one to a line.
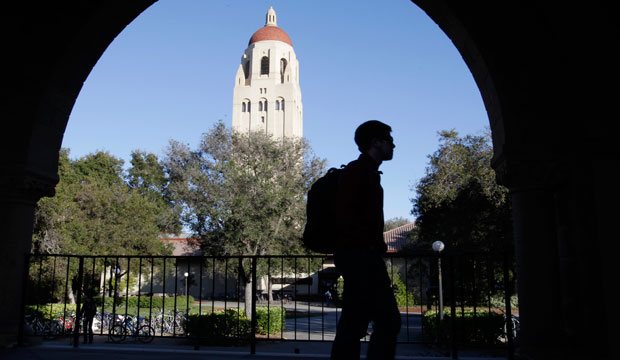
359,207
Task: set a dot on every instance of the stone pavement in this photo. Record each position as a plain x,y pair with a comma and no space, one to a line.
164,349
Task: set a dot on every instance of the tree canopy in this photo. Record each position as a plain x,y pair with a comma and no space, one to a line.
243,194
94,211
458,200
395,222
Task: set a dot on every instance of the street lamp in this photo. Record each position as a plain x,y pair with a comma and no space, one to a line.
438,246
186,275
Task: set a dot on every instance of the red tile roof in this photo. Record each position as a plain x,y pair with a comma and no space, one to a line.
182,246
269,32
396,238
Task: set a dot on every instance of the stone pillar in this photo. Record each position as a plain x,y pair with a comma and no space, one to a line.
538,273
563,305
18,197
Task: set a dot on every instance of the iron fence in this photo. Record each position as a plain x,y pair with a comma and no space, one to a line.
245,299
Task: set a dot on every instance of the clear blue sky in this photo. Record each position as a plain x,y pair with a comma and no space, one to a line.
170,75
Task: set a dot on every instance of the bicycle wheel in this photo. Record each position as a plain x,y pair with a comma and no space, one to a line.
146,334
117,333
51,330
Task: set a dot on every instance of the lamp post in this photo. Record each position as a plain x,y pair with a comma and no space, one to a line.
438,246
186,276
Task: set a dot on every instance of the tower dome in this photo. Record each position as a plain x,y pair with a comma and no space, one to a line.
267,95
270,31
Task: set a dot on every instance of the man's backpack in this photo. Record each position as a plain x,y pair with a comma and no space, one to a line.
321,223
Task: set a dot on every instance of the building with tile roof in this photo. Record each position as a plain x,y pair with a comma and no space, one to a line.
396,238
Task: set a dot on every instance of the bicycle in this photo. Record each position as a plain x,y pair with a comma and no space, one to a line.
515,328
48,328
124,327
66,324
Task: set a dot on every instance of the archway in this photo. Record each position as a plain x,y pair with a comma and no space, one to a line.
540,77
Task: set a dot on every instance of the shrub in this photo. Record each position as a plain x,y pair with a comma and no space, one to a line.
403,297
270,320
483,329
224,327
50,311
219,327
145,302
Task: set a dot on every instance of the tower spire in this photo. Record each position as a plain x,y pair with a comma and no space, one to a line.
271,17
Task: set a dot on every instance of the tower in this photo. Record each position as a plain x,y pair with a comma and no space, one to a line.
267,96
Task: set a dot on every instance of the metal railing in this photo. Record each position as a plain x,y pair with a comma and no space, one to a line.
245,299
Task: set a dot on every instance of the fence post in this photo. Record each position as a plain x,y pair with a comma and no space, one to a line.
454,349
78,312
253,321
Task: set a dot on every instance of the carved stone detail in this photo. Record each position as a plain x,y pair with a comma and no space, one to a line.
25,188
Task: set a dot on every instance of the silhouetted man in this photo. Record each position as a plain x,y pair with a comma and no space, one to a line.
88,310
368,294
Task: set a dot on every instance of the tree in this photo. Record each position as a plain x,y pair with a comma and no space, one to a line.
95,212
148,177
459,202
395,222
243,194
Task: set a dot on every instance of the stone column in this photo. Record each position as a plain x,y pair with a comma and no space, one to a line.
18,197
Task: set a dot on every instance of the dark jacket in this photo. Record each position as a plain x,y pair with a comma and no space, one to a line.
360,207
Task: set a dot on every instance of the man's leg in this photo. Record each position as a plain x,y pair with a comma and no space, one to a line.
85,329
385,314
91,333
353,323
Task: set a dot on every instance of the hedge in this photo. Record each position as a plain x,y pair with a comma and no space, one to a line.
145,301
270,320
47,311
222,327
219,327
483,329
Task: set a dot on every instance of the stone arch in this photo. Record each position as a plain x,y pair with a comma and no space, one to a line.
528,59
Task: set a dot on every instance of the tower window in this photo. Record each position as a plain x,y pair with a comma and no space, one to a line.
277,105
282,104
264,66
265,105
249,106
242,107
282,69
260,106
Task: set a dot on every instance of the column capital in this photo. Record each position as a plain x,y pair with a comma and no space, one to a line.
26,189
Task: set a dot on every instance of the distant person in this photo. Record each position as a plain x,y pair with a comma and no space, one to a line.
328,297
368,294
88,312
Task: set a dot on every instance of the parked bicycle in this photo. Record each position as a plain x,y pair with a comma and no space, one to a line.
48,328
132,327
66,323
169,322
515,328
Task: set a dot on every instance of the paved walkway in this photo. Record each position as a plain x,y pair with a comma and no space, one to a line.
164,349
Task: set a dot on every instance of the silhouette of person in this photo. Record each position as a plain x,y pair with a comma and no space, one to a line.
88,310
368,294
328,297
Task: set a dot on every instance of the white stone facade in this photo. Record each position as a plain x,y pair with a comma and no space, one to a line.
267,96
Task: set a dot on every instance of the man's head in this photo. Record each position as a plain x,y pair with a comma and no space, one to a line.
373,138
